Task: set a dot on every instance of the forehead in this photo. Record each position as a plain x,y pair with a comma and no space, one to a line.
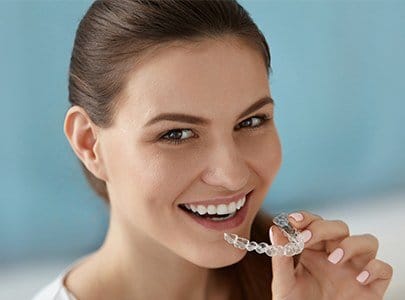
205,78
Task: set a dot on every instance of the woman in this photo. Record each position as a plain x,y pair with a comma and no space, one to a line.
171,111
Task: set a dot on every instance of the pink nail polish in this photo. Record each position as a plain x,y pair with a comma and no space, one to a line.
336,255
306,235
297,216
362,276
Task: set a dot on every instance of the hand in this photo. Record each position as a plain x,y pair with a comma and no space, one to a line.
315,277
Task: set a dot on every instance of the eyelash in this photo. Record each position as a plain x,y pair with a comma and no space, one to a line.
264,118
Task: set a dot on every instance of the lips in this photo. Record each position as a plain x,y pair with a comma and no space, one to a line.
220,222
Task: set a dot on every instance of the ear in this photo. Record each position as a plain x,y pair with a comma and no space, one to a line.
84,140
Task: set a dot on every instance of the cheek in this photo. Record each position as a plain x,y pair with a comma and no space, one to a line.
163,170
264,154
139,171
143,185
152,175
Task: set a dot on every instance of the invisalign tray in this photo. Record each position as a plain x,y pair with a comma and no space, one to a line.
293,247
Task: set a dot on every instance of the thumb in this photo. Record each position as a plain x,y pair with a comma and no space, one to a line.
282,266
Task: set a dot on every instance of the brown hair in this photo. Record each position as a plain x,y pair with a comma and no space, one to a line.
113,36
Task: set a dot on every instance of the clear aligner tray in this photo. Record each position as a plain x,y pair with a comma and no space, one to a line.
293,247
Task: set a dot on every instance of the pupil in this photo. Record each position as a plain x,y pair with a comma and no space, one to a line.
175,134
247,122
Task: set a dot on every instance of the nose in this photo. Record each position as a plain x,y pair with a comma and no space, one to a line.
227,167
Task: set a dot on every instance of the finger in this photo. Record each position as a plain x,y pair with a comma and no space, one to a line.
360,249
377,274
302,218
282,266
322,231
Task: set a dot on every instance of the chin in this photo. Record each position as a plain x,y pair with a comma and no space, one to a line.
219,259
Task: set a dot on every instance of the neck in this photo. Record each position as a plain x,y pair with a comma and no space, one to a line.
146,270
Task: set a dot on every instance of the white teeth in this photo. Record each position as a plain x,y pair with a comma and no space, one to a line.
211,210
240,203
221,209
193,208
201,209
232,207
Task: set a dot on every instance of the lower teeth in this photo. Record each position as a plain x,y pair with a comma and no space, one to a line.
223,218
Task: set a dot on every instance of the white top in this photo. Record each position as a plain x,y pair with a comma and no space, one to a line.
56,290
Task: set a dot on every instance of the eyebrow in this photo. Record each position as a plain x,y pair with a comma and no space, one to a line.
179,117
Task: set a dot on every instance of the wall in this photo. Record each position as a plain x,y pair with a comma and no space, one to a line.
339,90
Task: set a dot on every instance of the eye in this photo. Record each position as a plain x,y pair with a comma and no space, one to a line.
174,136
257,121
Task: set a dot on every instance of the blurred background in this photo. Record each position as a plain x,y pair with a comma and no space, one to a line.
338,82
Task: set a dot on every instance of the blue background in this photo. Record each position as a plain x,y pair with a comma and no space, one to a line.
338,82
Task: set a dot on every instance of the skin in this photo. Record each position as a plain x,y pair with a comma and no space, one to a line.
152,250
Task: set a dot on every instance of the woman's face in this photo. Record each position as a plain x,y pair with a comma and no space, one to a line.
148,177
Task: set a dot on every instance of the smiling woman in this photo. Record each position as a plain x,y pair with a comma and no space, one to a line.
173,123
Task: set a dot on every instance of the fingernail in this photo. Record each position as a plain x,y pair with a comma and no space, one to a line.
336,255
271,235
297,216
362,276
306,235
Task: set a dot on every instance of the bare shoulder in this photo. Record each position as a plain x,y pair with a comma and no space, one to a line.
81,280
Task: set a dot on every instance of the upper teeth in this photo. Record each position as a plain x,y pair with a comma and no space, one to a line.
220,209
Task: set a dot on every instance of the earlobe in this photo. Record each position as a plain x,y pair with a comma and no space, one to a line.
82,136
